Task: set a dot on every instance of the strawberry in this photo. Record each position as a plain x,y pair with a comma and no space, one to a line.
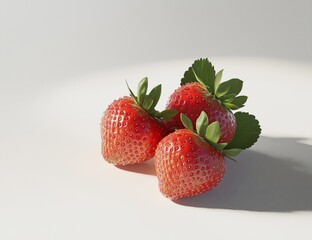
186,165
201,90
131,127
190,162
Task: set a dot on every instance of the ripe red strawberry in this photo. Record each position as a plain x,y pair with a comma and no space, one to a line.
201,91
189,163
193,98
186,165
131,128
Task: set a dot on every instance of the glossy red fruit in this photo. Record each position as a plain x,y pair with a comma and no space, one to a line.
191,99
187,165
129,134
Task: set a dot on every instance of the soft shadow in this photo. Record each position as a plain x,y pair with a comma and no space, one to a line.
274,177
144,168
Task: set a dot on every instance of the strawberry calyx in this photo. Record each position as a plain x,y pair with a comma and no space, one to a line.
149,101
203,71
210,132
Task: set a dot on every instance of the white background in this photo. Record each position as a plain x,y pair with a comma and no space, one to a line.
63,62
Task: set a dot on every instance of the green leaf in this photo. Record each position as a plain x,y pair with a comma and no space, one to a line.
230,105
202,124
167,114
217,80
231,152
201,71
239,101
228,97
223,89
187,123
221,145
204,73
218,146
247,131
155,95
148,102
232,102
188,77
142,89
236,86
232,86
131,93
200,79
213,132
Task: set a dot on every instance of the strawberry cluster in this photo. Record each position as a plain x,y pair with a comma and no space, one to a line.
190,138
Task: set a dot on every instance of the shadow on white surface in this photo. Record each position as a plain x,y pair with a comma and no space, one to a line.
262,181
144,168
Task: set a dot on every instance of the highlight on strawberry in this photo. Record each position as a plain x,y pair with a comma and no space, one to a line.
202,90
131,127
189,162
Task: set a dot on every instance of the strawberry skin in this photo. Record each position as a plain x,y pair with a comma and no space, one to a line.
187,165
129,134
192,98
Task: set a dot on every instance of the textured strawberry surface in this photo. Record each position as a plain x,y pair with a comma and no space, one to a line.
129,134
191,99
186,165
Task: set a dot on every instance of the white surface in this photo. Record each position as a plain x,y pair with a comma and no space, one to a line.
63,61
55,184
